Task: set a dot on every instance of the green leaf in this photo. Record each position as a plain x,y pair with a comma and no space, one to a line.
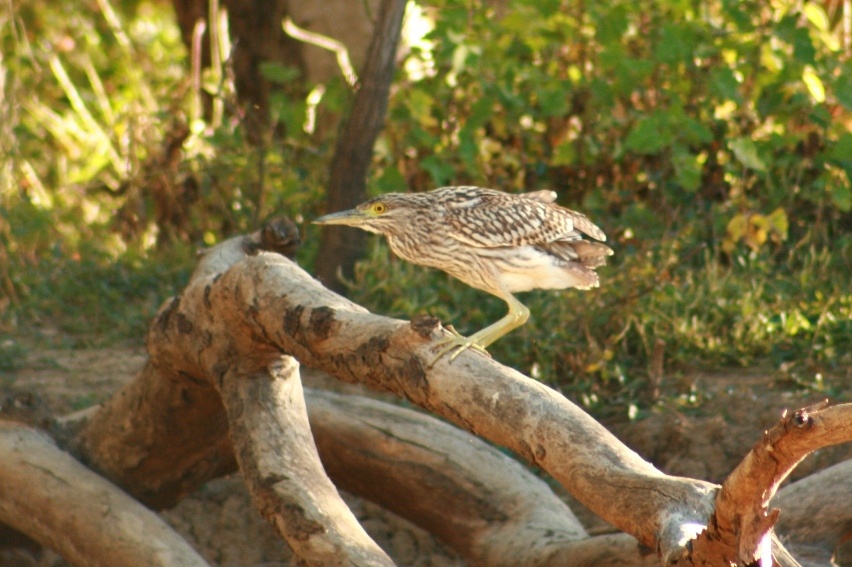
745,151
440,171
646,136
695,132
553,100
468,149
631,72
602,93
564,154
843,86
841,194
390,180
803,46
480,112
841,154
820,116
612,25
278,73
420,103
724,84
841,151
675,43
687,169
737,15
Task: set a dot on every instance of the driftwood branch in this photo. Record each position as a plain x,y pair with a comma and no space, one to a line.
816,513
742,517
278,458
324,330
245,312
480,502
54,499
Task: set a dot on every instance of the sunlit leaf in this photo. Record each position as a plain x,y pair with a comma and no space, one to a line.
814,84
420,103
745,151
816,15
779,222
737,226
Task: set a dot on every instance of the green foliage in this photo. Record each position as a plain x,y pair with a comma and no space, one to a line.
596,344
712,141
673,104
96,299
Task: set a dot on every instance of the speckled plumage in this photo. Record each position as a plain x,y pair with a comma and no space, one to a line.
495,241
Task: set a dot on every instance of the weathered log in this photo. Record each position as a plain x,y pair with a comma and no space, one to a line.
816,513
740,530
54,499
328,332
245,311
281,466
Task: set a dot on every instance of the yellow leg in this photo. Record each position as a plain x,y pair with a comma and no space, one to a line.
517,316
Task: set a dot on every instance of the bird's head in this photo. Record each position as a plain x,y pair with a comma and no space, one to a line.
386,214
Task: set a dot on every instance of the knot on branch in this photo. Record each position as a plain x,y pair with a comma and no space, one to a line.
423,325
280,235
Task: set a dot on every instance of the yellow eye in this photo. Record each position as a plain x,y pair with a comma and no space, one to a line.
379,208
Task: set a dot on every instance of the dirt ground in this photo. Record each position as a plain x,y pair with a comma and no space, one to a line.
705,440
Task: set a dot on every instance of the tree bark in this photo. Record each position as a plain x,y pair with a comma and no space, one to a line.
258,37
342,246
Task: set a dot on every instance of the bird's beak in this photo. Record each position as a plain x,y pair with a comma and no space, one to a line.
352,217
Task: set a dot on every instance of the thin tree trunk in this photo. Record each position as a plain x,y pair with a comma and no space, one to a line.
341,246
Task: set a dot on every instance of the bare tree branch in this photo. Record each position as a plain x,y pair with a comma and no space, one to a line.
480,502
323,330
742,513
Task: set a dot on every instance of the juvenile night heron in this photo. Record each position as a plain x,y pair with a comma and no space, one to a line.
494,241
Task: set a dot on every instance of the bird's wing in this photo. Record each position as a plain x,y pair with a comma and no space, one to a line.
491,219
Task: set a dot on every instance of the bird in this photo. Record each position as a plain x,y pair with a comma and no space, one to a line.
498,242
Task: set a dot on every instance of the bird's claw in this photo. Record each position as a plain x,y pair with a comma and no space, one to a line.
457,341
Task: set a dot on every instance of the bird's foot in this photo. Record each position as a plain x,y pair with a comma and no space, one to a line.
457,341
